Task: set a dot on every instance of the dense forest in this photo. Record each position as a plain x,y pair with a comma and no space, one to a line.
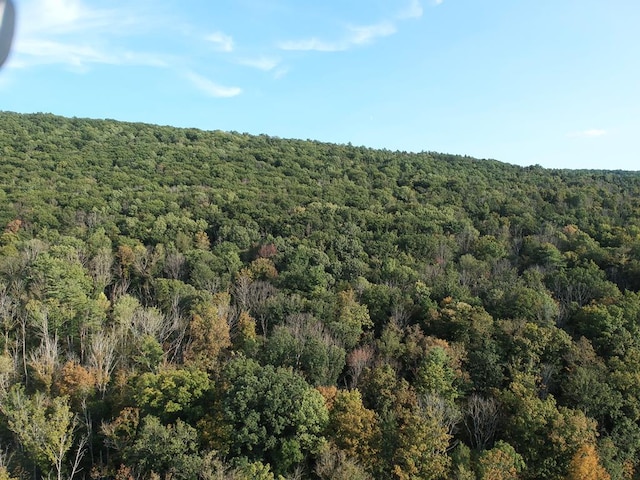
183,304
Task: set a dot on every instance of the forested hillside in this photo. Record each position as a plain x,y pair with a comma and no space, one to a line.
182,304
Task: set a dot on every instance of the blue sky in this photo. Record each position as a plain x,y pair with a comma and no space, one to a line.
549,82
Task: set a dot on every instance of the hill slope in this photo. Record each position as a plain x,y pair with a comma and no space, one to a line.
455,314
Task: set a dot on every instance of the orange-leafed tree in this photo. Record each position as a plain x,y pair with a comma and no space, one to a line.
502,462
76,382
585,465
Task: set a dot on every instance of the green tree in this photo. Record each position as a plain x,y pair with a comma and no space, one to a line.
271,414
170,451
351,319
65,291
45,427
172,393
436,376
547,436
414,437
305,344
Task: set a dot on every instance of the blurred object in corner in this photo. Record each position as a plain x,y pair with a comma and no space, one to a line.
7,23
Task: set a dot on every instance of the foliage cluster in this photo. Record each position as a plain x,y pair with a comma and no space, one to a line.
176,303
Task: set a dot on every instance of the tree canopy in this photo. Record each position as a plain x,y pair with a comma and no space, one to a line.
177,303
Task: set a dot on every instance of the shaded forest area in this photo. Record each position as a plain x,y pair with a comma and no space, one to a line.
182,304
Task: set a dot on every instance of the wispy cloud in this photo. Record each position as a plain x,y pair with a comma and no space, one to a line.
368,33
210,88
359,35
221,41
41,52
312,44
265,64
77,35
71,33
594,132
356,36
413,10
66,17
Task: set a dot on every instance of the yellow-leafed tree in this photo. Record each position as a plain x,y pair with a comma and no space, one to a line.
354,428
208,332
585,465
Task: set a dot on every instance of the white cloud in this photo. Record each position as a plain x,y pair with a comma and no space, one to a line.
222,42
41,52
594,132
71,33
266,64
413,10
47,52
358,35
366,34
262,63
63,17
52,16
210,88
312,44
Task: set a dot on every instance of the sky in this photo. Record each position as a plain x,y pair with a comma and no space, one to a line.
548,82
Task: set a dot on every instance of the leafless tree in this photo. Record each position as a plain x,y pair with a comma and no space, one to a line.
102,358
466,238
8,313
80,451
177,327
517,239
151,322
334,464
5,457
44,360
32,249
211,285
121,286
261,293
547,372
101,265
297,474
446,413
252,296
400,315
357,361
242,292
481,420
145,259
174,264
305,328
144,264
